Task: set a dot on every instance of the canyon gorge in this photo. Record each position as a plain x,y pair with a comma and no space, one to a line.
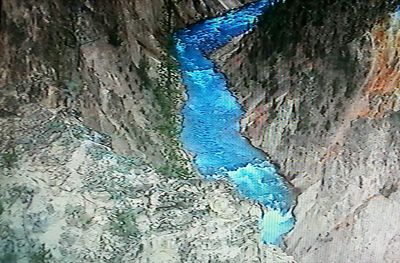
95,167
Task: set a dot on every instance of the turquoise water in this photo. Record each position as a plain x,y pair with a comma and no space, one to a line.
211,125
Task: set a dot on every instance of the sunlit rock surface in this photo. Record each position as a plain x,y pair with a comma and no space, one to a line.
68,198
212,114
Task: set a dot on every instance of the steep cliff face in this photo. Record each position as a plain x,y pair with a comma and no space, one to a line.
106,62
320,83
82,81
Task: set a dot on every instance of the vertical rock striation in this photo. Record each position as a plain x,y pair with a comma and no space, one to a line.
320,83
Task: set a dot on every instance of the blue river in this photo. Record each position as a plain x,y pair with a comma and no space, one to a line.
397,12
211,121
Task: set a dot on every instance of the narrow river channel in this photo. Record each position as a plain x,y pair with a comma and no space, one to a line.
211,125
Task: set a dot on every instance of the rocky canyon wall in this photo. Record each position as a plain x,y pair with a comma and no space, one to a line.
104,61
320,83
90,169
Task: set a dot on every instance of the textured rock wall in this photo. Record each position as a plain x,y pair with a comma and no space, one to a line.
67,197
105,61
65,194
320,83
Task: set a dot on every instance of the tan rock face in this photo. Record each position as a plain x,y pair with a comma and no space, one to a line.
66,197
321,94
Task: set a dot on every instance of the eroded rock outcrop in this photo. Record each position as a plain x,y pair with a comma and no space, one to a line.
320,83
